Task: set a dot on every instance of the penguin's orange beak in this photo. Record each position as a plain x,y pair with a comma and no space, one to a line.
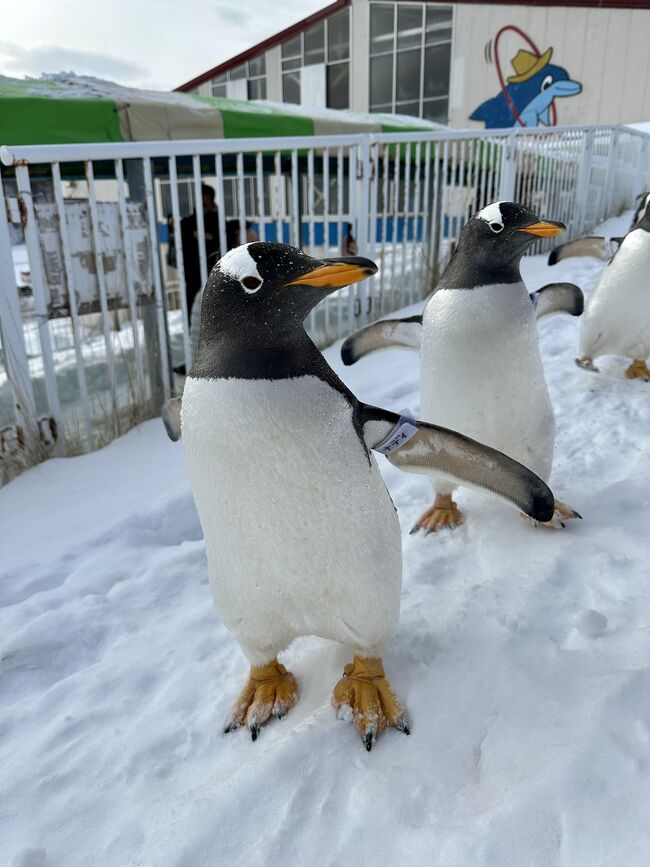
334,273
545,229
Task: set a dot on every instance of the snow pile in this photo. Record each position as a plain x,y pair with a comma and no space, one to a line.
522,656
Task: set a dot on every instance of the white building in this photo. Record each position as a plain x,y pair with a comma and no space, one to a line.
535,63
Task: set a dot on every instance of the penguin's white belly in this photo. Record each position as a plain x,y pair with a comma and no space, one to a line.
301,535
481,372
617,318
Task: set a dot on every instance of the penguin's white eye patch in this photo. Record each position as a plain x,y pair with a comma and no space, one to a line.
251,284
240,265
491,214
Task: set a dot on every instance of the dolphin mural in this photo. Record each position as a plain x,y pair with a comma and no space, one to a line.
527,98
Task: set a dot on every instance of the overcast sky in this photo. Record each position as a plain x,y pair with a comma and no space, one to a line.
145,43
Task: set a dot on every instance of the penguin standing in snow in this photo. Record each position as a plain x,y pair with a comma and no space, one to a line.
617,318
301,534
481,370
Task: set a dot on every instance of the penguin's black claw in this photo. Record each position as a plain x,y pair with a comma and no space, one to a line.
414,529
254,729
279,712
401,726
232,726
369,740
587,364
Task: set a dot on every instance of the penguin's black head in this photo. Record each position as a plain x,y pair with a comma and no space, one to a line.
274,284
254,305
492,243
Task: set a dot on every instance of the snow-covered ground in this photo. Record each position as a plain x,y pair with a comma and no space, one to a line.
530,715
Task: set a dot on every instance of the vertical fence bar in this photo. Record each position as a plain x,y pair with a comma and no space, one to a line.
261,208
405,290
13,337
180,264
354,306
157,277
200,223
311,216
39,289
373,181
241,198
326,230
426,210
362,173
72,300
435,221
103,289
129,269
416,221
396,186
280,196
221,199
385,168
339,236
295,221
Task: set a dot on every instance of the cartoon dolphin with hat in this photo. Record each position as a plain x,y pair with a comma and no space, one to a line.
529,94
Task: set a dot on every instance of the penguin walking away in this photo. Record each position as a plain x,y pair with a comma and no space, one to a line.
300,532
481,370
617,318
598,246
406,333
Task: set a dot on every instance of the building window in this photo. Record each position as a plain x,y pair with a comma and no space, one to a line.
237,73
314,44
291,63
410,57
219,85
256,69
338,85
327,42
253,72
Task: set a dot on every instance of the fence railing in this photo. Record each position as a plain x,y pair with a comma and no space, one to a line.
99,251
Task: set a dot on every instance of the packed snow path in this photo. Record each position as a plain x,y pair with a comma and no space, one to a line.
522,656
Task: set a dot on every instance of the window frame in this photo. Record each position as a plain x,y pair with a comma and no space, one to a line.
327,61
394,51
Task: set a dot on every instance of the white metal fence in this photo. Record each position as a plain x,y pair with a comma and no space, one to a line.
92,334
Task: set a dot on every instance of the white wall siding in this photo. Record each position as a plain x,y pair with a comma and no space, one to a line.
606,50
359,55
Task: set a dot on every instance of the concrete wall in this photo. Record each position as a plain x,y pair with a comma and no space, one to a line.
606,50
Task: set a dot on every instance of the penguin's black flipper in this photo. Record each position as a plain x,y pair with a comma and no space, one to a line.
384,334
596,246
171,416
558,298
419,447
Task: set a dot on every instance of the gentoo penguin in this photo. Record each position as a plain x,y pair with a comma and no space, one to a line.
617,318
597,246
406,333
481,370
300,532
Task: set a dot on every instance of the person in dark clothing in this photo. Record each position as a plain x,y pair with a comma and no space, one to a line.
189,240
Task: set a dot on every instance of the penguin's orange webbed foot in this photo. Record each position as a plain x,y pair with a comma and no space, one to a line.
271,690
638,369
561,515
443,514
365,693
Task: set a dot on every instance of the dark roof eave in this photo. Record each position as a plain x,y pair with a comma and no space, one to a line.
276,39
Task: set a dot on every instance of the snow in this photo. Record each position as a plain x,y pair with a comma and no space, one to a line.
521,655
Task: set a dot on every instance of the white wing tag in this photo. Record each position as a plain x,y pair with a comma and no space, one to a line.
405,429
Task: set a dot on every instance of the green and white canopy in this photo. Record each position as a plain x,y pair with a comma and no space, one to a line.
65,108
